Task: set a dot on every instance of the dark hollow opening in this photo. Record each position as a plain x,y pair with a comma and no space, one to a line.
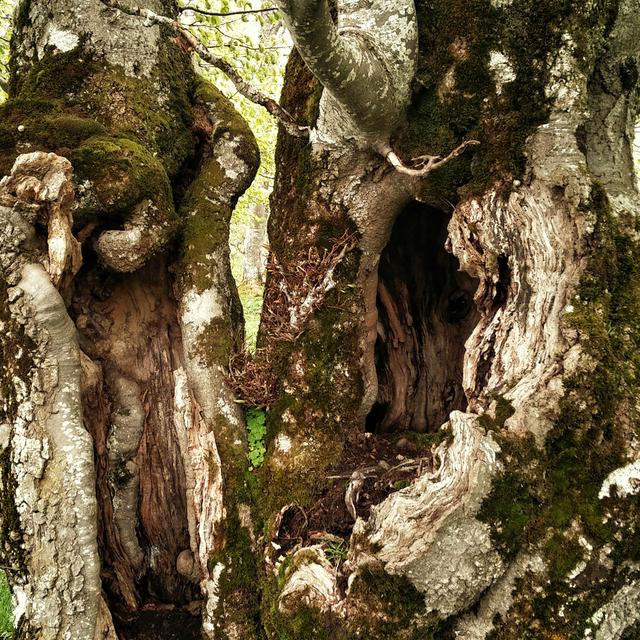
425,315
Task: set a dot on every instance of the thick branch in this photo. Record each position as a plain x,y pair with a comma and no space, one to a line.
366,62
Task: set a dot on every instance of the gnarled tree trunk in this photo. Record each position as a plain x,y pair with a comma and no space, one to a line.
485,324
453,437
122,440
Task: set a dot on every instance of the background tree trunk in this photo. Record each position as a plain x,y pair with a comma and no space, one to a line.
255,247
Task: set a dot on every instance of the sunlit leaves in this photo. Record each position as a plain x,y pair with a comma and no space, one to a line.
6,10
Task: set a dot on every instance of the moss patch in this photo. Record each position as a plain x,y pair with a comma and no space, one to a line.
455,95
389,607
155,111
122,173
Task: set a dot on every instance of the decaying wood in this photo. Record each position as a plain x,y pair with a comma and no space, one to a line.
127,446
427,531
45,181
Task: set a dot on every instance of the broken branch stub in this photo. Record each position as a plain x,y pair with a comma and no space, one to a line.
45,180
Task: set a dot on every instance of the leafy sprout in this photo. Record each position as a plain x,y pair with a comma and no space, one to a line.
336,551
256,435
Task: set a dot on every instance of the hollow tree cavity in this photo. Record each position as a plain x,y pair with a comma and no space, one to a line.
425,314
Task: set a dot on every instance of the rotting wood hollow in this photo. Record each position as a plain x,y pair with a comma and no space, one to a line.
425,314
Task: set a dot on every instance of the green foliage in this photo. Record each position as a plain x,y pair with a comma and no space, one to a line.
6,617
6,7
336,551
256,432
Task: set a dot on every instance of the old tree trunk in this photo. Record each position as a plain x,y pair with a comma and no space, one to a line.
450,359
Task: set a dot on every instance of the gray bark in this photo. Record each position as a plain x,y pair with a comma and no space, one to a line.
528,240
365,61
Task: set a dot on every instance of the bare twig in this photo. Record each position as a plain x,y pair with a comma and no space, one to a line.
252,378
193,44
426,164
352,494
302,288
218,14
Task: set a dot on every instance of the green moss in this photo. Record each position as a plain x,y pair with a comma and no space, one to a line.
43,127
154,111
228,118
205,207
455,95
57,76
6,613
62,131
239,593
563,555
215,342
122,174
503,411
389,607
306,622
238,580
514,501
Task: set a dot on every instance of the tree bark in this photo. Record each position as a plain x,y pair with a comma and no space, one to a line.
486,324
255,247
453,440
122,438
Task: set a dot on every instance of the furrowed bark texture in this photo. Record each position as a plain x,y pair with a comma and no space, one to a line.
123,451
453,446
487,319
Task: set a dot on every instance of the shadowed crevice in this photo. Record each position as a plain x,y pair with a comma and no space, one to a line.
425,314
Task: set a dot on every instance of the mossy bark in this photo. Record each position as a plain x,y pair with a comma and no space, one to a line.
518,518
157,161
516,533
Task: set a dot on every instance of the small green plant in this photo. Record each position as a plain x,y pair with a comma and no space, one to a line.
6,615
336,551
257,433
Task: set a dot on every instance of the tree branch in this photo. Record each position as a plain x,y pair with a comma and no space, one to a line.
426,164
193,44
222,14
343,62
